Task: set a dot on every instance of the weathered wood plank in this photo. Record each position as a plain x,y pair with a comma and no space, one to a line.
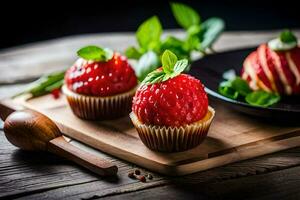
282,184
266,164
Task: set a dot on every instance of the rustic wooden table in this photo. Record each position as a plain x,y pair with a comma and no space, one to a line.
28,175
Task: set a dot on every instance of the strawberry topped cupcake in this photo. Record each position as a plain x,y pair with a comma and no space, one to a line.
100,85
170,110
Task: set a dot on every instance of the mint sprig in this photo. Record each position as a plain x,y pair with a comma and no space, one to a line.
285,41
171,67
148,34
199,37
262,99
95,53
287,36
238,89
185,15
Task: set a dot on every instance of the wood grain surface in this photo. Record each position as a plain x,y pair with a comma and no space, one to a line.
44,176
232,137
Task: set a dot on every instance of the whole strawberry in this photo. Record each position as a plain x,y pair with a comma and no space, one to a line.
170,110
168,98
104,77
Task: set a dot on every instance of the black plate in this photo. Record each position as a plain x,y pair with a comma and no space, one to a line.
210,70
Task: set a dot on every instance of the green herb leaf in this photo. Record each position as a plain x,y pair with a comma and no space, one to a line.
210,31
241,86
262,98
95,53
133,53
179,67
226,89
146,64
185,15
171,68
284,42
154,77
287,36
168,60
177,46
148,33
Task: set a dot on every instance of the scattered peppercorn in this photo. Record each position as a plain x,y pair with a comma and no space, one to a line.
137,172
141,178
131,175
149,176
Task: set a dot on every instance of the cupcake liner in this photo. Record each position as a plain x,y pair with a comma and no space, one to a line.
173,139
99,108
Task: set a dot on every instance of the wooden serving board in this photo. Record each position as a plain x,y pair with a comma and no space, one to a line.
232,137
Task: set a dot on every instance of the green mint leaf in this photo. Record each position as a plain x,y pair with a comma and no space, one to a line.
170,68
185,15
95,53
241,86
262,98
211,29
287,36
133,53
179,67
146,64
154,77
226,89
168,60
234,88
148,33
284,42
177,46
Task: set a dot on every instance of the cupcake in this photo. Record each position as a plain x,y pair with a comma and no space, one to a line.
100,85
275,67
170,110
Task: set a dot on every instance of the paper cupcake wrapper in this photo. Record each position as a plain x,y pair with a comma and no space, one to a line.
99,108
173,139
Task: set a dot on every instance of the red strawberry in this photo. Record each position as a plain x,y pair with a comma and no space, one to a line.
178,101
99,78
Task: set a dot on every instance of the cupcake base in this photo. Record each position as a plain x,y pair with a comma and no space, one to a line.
173,139
99,108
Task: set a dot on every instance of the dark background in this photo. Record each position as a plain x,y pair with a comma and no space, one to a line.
25,22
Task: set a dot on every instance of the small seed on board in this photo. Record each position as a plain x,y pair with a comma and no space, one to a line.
141,178
149,176
137,172
131,175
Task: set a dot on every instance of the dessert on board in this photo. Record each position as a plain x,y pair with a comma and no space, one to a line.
100,85
170,109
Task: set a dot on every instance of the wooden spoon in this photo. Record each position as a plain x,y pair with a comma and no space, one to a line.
30,130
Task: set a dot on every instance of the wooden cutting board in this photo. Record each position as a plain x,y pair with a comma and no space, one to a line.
232,137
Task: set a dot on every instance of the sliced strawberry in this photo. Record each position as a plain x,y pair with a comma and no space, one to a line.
276,78
268,69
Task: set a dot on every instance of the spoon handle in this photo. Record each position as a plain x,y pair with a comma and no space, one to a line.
61,147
